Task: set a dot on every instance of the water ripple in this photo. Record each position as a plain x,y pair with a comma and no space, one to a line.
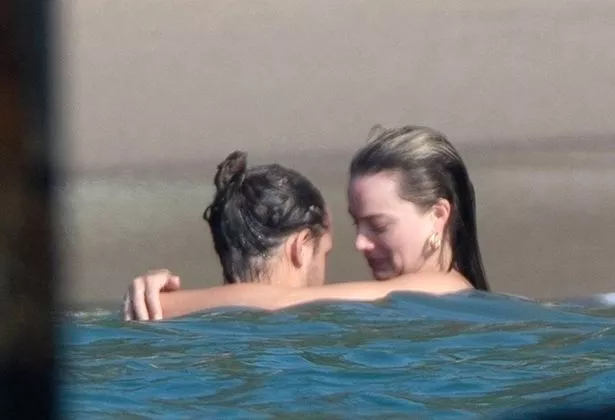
458,357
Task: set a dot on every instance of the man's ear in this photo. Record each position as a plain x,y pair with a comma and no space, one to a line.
298,248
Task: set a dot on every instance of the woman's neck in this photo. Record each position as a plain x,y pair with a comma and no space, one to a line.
440,260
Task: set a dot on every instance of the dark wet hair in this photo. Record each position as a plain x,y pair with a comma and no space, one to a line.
430,169
254,210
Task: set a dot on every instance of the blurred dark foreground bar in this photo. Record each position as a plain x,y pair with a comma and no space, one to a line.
27,277
583,410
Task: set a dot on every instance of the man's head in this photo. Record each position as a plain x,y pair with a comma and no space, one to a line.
268,221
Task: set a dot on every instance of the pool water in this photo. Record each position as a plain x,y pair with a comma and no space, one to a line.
408,356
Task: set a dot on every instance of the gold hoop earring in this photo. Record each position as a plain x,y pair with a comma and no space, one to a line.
434,241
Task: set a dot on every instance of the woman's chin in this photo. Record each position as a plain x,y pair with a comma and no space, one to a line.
383,275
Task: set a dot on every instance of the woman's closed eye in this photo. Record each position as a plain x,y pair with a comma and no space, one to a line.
379,227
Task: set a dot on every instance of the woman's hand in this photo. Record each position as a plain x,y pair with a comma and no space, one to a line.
142,301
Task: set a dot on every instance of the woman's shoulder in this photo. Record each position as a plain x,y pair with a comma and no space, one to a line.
437,283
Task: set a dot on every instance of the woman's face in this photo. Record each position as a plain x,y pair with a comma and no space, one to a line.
392,233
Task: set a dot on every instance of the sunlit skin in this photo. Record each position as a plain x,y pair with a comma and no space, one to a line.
393,233
318,266
300,261
320,253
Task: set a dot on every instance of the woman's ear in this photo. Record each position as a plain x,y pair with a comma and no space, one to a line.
441,212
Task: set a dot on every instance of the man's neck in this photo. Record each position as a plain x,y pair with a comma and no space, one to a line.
282,276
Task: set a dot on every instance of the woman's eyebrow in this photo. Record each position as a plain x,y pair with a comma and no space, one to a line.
372,216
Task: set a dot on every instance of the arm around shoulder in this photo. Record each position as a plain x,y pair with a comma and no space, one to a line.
252,295
266,297
435,284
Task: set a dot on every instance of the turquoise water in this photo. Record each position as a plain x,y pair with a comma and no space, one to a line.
408,356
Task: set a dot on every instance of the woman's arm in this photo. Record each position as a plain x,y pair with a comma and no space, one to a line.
435,284
268,297
250,295
156,295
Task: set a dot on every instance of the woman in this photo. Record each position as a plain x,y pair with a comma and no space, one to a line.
412,202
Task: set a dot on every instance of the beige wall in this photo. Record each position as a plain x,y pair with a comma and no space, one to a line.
151,80
153,93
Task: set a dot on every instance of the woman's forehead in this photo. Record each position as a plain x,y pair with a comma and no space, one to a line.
373,190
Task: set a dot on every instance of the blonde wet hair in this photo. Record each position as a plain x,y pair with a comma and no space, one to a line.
430,169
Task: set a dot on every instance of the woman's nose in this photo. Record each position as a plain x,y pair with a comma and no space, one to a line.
362,243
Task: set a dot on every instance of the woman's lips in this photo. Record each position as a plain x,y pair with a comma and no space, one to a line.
378,264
